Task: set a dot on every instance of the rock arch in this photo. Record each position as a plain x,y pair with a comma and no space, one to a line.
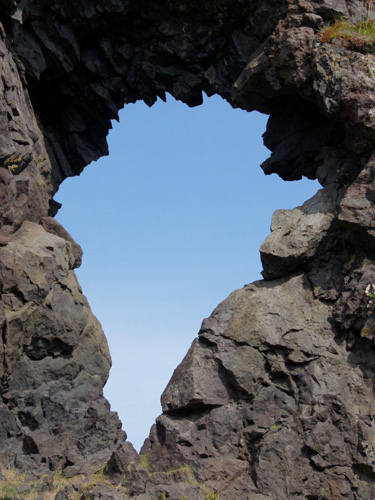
275,397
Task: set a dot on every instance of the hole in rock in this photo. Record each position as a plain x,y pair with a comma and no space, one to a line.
41,347
170,223
28,420
29,447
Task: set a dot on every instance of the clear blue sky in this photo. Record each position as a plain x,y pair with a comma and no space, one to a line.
170,223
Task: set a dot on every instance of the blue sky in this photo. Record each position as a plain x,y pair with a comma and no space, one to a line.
170,223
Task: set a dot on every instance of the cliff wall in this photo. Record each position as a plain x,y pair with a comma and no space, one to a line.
275,398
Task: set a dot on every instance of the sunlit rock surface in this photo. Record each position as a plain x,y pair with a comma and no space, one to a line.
275,398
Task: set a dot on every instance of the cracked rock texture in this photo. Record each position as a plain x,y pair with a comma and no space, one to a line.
275,398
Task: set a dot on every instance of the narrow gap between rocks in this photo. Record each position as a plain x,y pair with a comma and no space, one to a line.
170,223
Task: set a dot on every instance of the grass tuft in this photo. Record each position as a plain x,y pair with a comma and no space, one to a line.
358,34
212,496
144,463
83,485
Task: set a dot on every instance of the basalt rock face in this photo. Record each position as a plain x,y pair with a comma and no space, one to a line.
275,398
55,359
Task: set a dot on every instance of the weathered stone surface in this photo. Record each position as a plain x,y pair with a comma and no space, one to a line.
195,383
275,398
52,226
357,205
299,405
55,360
259,55
25,185
296,234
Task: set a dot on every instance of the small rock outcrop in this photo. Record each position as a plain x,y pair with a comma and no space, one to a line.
275,398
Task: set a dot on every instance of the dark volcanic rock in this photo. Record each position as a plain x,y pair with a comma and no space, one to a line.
275,398
55,360
296,235
298,403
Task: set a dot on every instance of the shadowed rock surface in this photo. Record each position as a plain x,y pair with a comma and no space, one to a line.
275,398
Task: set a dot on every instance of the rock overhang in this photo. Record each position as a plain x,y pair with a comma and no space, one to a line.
242,50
